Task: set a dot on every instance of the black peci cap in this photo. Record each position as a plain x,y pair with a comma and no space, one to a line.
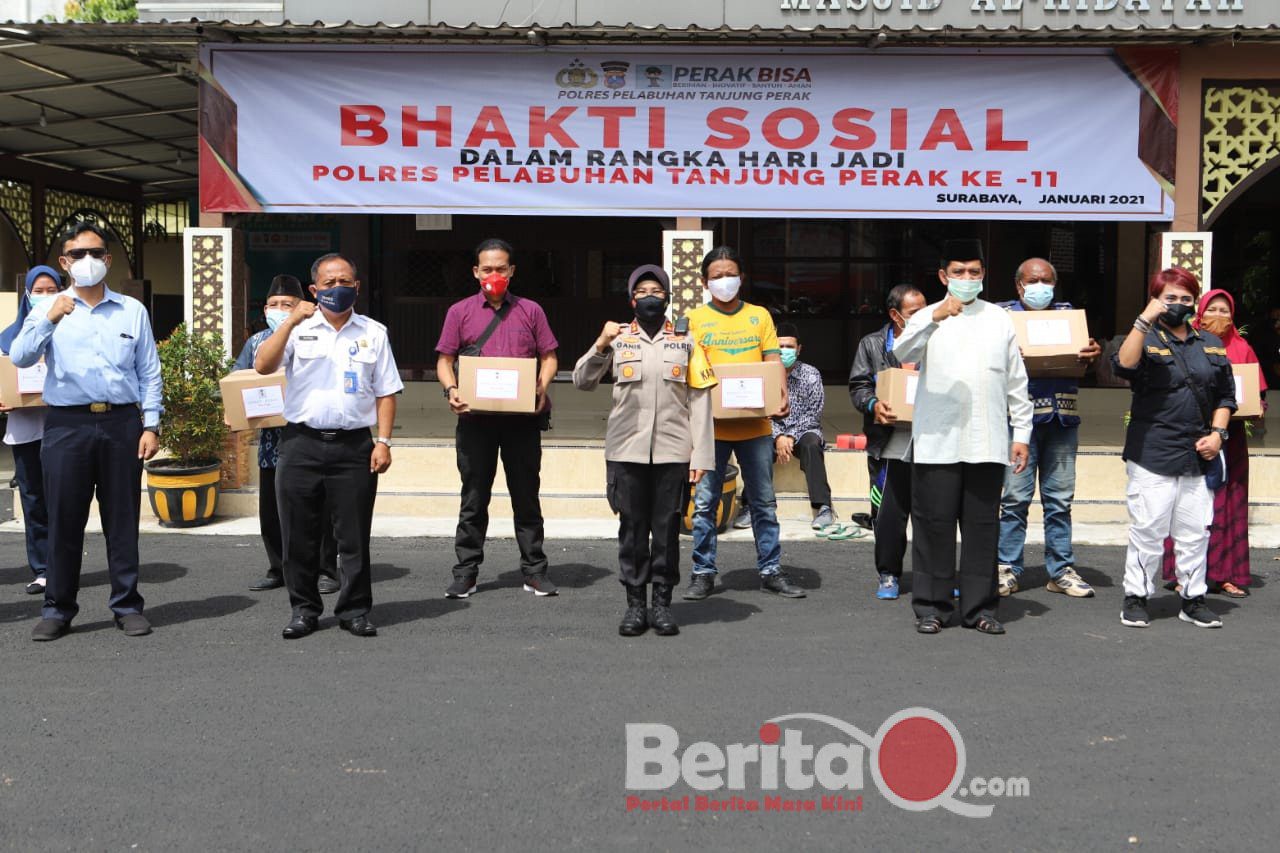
966,249
285,285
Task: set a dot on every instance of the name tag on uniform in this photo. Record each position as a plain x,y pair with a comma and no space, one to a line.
351,382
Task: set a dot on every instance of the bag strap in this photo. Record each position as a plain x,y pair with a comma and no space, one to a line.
1202,400
492,327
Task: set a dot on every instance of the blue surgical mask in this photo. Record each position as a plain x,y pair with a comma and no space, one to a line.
788,357
964,289
337,299
1038,296
40,301
276,316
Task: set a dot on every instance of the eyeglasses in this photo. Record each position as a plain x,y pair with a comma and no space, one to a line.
77,254
1178,300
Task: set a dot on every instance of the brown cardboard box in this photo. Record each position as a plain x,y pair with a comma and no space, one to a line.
491,384
17,385
1051,341
1248,391
742,383
897,387
251,400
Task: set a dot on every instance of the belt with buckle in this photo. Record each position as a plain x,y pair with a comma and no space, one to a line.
97,408
328,434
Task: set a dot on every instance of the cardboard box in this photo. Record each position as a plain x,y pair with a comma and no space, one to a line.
747,390
1248,391
897,387
1051,341
490,384
21,387
251,400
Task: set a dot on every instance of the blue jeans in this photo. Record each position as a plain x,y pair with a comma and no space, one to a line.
1053,457
755,467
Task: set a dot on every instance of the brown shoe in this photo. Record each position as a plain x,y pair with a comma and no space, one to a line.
49,629
133,625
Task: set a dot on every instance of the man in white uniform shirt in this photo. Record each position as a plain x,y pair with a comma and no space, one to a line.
972,388
341,380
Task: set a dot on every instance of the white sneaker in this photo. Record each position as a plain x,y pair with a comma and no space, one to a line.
1071,584
1008,581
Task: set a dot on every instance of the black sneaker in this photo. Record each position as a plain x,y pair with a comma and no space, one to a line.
779,584
540,585
461,588
1134,613
49,629
1195,611
700,586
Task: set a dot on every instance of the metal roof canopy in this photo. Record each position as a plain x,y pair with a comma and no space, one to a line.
119,101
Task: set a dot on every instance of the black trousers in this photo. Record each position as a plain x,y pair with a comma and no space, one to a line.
81,453
272,538
891,520
326,484
809,450
876,470
35,514
943,496
480,439
648,500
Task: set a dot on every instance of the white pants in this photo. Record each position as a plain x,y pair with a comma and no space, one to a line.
1161,506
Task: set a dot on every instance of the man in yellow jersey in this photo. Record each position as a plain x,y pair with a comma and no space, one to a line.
730,331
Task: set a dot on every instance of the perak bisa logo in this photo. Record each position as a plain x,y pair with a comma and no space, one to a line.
916,760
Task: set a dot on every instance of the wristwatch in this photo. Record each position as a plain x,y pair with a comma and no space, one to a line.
382,440
1222,433
447,390
154,429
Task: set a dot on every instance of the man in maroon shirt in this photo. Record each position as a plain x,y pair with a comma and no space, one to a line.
521,333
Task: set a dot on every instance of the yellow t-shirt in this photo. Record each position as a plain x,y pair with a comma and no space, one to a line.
744,336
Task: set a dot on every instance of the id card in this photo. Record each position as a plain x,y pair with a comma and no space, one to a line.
351,382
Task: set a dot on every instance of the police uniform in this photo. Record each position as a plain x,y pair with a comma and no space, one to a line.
659,428
335,377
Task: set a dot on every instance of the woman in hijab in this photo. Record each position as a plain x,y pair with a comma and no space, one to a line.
24,431
1228,558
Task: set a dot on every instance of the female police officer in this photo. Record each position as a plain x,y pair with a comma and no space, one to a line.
659,438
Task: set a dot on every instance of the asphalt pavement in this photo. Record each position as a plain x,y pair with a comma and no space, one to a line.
500,722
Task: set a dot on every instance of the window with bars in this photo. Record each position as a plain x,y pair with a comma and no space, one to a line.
163,220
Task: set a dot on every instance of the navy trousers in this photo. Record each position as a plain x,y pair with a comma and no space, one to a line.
35,514
83,453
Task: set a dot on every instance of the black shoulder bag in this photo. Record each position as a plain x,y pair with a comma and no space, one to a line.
475,348
1215,475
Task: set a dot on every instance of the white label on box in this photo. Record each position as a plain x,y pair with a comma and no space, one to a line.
912,381
31,379
263,402
1048,333
497,384
745,392
1239,390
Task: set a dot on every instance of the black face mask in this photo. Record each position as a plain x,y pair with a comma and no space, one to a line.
1176,314
651,309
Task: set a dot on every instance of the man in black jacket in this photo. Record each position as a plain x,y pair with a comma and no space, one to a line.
888,441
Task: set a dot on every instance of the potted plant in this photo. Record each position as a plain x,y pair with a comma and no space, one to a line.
183,485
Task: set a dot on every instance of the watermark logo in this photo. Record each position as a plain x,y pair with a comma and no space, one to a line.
916,759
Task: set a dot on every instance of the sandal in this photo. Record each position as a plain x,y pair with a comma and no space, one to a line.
1229,589
1173,586
929,625
847,531
829,531
988,625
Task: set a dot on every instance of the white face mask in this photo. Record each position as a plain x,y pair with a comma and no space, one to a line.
725,289
88,271
40,301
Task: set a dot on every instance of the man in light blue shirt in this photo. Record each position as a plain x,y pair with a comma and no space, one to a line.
103,391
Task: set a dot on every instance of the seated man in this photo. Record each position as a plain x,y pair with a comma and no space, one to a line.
799,434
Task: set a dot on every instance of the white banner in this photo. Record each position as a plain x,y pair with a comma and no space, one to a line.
637,132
